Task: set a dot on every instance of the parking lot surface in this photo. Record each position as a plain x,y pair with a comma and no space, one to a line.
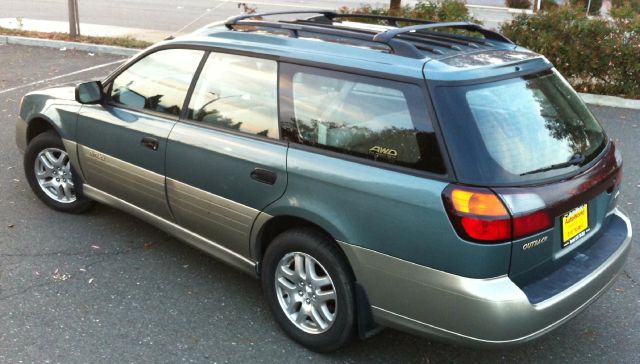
106,287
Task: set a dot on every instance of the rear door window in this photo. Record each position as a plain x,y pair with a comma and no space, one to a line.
237,93
381,120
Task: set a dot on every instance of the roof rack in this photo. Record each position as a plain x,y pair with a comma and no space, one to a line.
407,41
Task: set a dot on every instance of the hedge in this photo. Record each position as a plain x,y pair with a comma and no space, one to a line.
596,55
443,10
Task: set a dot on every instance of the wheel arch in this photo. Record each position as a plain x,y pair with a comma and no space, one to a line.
40,124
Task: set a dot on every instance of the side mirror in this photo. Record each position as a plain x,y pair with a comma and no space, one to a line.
89,92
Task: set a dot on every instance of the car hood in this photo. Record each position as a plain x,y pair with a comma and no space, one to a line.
65,91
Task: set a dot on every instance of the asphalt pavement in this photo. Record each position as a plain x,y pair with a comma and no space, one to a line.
105,287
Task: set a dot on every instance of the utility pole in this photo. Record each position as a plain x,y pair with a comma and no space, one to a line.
74,19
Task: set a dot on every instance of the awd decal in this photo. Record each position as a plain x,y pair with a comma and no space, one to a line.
387,152
534,243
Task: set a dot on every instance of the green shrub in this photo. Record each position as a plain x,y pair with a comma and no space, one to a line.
444,10
594,8
633,4
596,55
518,4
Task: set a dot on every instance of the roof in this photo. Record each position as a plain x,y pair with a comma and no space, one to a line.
339,39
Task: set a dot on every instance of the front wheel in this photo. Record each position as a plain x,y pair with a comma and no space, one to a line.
309,288
51,175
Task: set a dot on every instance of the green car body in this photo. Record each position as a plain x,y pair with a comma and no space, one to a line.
413,270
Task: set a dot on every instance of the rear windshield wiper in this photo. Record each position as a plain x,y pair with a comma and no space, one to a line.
575,159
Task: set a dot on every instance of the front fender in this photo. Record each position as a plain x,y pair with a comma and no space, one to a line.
56,106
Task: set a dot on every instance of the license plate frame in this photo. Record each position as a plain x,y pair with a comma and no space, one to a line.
575,224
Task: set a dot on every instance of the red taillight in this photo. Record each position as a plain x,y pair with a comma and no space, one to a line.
487,230
532,223
480,215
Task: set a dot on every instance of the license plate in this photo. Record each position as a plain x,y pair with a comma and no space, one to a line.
575,224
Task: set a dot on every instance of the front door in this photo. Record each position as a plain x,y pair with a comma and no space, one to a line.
225,162
123,142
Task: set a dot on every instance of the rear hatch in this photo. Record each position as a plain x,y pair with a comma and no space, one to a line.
534,144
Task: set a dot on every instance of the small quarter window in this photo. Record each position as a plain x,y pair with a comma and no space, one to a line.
237,93
362,116
158,82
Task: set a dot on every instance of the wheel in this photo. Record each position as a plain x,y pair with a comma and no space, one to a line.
51,175
309,288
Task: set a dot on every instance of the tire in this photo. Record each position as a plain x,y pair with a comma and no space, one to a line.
315,319
58,186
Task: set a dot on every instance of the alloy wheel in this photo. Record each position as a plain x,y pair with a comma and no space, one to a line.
306,293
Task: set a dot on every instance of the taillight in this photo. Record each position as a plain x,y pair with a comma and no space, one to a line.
478,214
531,224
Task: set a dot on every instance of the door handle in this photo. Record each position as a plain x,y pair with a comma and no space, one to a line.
264,176
150,142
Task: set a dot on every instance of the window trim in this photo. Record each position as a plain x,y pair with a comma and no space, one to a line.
287,72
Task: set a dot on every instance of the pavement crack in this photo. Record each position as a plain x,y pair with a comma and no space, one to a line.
633,281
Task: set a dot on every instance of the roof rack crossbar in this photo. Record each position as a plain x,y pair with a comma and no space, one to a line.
231,21
387,35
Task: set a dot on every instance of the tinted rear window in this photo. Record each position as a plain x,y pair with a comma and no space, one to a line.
360,116
509,131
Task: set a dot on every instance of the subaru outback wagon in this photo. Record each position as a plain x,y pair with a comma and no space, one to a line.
435,178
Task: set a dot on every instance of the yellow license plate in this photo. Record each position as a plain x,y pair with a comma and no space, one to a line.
574,225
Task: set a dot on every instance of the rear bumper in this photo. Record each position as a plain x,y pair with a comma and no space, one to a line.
480,312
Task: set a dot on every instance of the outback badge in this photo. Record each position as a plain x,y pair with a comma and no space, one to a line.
534,243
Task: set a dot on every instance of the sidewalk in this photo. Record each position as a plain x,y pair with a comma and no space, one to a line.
48,26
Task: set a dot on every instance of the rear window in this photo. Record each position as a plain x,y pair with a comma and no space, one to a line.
517,130
360,116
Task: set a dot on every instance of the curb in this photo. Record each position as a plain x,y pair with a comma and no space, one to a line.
86,47
610,101
599,100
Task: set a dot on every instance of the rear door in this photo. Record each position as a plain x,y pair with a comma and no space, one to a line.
122,143
225,162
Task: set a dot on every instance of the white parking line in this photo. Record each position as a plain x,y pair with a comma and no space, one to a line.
61,76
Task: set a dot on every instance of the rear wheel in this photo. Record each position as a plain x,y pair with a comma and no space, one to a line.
309,287
51,175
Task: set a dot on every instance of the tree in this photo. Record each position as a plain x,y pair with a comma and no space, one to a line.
394,7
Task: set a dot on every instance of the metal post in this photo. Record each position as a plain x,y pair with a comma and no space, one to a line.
77,17
74,20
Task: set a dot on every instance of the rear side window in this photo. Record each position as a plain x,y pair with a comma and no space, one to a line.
158,82
238,93
360,116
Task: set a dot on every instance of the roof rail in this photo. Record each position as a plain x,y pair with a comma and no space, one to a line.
231,21
387,35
